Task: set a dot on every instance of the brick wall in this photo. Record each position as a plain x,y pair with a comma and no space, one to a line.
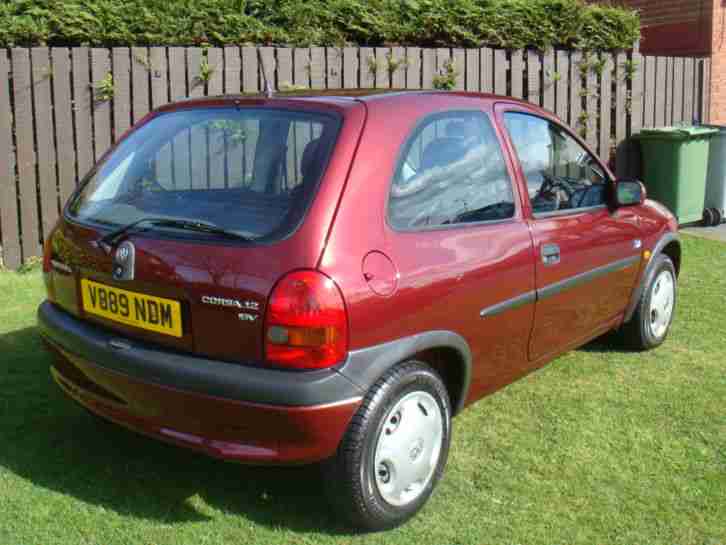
674,27
718,63
688,27
661,12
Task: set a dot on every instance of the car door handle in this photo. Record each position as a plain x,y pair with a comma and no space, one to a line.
550,254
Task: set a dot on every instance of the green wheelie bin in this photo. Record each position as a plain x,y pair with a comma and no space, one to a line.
675,163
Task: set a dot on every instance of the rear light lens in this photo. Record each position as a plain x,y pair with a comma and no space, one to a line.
306,326
47,252
47,257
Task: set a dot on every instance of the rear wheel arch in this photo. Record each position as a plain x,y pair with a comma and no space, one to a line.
446,352
450,365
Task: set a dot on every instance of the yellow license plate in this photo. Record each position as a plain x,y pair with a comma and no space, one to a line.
131,308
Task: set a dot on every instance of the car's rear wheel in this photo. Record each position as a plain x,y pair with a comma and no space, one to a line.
394,450
653,316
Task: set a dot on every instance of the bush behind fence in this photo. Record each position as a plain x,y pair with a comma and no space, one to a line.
62,108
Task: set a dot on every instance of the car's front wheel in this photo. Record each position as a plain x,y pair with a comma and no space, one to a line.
394,450
653,316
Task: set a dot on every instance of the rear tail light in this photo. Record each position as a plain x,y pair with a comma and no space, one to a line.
47,258
47,253
306,325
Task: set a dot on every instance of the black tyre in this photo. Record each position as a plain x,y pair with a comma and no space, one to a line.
394,450
717,216
653,316
707,219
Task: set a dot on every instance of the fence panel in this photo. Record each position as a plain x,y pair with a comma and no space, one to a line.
606,106
706,91
380,68
486,56
516,71
100,70
473,80
661,90
548,81
668,120
215,83
61,108
458,57
121,90
591,107
47,182
534,81
27,184
500,72
250,70
621,97
576,91
428,68
351,67
233,69
82,104
562,84
688,90
649,98
159,76
11,252
335,67
140,77
367,68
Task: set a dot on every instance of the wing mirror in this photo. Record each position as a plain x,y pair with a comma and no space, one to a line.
629,193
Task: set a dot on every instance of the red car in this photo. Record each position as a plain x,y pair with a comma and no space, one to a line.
331,279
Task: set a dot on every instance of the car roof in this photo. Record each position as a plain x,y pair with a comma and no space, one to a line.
339,98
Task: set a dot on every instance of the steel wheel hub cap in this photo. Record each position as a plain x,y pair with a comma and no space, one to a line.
408,448
661,304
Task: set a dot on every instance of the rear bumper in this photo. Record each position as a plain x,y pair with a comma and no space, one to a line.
225,410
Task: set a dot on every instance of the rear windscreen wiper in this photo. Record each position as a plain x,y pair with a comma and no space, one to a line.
200,226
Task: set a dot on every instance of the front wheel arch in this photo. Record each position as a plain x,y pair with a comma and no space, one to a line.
668,244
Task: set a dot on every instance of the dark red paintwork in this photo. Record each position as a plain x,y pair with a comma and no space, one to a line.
239,431
433,280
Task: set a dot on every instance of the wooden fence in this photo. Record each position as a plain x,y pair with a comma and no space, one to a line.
61,108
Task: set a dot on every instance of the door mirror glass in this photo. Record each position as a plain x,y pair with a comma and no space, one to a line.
629,193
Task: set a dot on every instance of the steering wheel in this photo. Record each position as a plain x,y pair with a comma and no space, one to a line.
551,183
549,187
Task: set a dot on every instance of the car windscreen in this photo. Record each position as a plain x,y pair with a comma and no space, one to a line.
251,171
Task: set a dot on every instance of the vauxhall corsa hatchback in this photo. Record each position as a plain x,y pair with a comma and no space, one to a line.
331,279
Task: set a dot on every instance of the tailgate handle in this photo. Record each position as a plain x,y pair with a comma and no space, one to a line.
550,254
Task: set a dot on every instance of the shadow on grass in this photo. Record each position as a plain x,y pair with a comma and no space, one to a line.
610,343
50,441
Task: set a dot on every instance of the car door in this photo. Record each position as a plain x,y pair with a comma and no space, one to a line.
587,255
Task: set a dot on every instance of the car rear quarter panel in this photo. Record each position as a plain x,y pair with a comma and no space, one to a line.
446,276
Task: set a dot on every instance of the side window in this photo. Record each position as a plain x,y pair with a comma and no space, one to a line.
560,173
451,171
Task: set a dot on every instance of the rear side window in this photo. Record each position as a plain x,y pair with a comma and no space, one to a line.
451,171
248,170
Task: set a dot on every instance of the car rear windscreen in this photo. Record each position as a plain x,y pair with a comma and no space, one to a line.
251,171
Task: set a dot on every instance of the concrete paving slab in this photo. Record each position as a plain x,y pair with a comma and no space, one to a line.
713,233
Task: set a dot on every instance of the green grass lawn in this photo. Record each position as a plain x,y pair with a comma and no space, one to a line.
601,447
